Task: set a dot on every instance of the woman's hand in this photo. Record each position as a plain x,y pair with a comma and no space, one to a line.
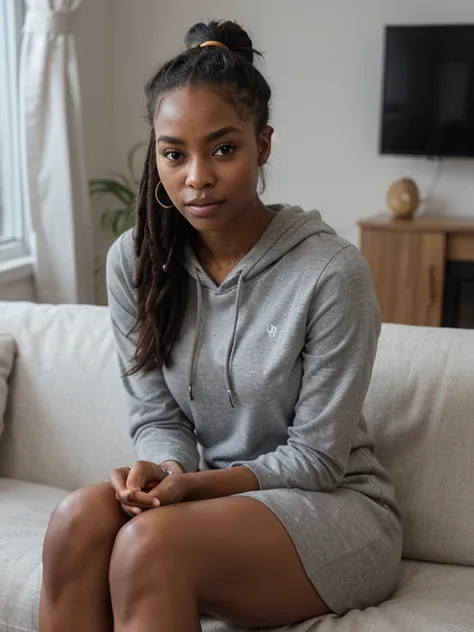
173,489
142,477
147,485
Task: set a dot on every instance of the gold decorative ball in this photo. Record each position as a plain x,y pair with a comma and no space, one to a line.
403,198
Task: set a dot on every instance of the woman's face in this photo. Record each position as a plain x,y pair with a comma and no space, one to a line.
208,157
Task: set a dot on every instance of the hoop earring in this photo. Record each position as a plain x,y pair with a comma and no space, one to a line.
158,199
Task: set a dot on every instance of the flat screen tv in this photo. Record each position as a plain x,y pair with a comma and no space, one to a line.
428,91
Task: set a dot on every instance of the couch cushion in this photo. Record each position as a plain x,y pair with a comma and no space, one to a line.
429,597
25,509
7,352
66,422
420,407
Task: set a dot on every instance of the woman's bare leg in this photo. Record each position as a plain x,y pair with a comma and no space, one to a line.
75,593
230,558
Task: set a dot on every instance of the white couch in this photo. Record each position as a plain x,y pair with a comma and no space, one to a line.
65,427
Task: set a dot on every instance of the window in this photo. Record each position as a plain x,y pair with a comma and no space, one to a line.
12,216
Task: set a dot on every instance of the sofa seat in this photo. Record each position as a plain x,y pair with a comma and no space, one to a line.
434,597
25,509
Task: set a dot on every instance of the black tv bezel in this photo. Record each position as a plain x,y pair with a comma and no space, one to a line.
381,150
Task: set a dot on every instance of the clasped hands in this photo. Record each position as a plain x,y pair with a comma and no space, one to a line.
146,485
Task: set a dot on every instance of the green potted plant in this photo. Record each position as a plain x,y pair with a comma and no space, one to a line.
122,189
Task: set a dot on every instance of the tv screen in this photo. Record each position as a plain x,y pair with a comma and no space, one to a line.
428,92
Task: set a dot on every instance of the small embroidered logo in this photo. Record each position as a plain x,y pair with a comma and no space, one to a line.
272,331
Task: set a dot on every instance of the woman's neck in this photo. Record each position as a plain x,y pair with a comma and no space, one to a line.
224,249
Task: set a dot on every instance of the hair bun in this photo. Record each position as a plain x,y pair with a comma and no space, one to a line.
229,33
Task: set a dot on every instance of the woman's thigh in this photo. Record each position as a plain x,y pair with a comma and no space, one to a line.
233,552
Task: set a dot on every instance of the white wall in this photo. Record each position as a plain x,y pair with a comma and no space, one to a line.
94,37
17,291
94,45
324,61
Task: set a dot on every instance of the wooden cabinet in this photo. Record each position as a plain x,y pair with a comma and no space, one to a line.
408,262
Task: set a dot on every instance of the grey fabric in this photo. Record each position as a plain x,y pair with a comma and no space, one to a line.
281,357
25,509
420,409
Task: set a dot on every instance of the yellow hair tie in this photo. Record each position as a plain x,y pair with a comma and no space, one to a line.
213,43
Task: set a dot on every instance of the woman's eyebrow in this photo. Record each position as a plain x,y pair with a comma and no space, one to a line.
230,129
174,140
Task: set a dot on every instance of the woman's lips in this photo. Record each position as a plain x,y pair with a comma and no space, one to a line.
204,210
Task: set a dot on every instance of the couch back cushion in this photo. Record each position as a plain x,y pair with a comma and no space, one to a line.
420,407
7,352
66,422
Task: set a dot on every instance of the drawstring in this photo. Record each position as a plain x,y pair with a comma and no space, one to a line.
197,332
231,348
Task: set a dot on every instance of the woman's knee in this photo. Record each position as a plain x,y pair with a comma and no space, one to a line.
147,550
80,525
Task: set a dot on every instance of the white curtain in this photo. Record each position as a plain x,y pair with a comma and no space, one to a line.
57,189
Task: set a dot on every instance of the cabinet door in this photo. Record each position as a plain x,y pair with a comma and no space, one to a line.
408,270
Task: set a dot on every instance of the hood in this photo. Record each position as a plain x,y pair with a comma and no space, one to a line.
286,231
290,226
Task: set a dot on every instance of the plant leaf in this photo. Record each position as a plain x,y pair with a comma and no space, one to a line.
124,180
104,220
107,218
114,188
116,220
114,225
121,187
123,223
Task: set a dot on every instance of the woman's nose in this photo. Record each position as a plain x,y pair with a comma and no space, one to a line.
200,175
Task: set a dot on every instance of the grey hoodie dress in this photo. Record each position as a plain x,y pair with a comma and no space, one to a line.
270,371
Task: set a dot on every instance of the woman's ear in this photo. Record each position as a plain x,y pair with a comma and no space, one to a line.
265,145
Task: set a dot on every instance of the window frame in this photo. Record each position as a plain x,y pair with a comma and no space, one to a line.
13,241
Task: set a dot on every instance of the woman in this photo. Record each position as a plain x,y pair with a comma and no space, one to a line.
250,330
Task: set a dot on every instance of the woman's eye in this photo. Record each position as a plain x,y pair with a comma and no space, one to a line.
173,155
225,150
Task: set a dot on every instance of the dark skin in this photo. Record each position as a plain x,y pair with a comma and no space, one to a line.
192,547
223,162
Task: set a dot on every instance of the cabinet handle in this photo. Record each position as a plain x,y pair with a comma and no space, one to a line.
431,286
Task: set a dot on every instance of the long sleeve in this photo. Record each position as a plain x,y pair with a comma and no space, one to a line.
159,429
342,331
